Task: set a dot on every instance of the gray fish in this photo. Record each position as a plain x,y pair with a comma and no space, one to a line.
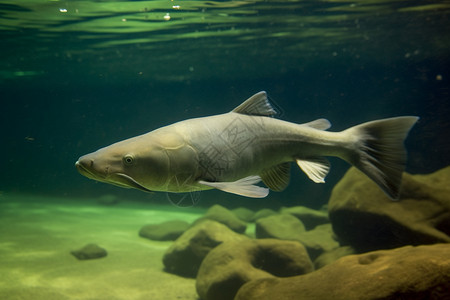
234,151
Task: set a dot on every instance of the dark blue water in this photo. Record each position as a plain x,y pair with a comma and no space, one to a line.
72,82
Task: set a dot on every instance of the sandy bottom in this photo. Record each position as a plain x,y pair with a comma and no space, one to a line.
37,235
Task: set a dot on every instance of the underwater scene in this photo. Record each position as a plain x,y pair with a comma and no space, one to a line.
219,150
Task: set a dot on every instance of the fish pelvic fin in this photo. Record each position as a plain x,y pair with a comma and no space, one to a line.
244,187
380,153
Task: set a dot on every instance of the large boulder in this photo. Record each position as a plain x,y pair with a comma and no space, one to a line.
411,273
185,255
365,218
223,215
309,217
282,226
227,267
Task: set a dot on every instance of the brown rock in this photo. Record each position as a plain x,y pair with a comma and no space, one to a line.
227,267
328,257
244,214
309,217
222,215
166,231
288,227
262,213
185,255
281,226
90,251
319,240
363,216
406,273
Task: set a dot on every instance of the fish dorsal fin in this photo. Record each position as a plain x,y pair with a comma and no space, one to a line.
321,124
315,168
256,105
244,187
277,177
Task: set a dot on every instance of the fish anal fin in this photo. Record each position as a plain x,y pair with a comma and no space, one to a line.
245,187
277,177
321,124
256,105
315,168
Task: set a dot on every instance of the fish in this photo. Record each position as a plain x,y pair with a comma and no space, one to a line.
235,151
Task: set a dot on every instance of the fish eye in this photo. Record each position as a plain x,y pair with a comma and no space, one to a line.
128,159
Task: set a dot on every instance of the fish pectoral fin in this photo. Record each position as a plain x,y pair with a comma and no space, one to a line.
256,105
277,177
244,187
315,168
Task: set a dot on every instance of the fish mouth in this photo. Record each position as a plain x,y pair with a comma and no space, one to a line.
126,181
86,172
119,179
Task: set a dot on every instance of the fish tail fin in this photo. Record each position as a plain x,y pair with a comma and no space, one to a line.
379,151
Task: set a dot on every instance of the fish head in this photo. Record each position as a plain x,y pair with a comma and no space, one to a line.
134,163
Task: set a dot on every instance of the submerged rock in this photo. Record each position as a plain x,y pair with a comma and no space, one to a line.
227,267
90,251
244,214
363,216
223,215
309,217
185,255
265,212
166,231
319,240
282,226
288,227
406,273
330,256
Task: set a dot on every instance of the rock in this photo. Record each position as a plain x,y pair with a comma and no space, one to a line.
281,226
319,240
166,231
244,214
222,215
411,273
185,255
363,216
328,257
309,217
90,251
227,267
288,227
265,212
